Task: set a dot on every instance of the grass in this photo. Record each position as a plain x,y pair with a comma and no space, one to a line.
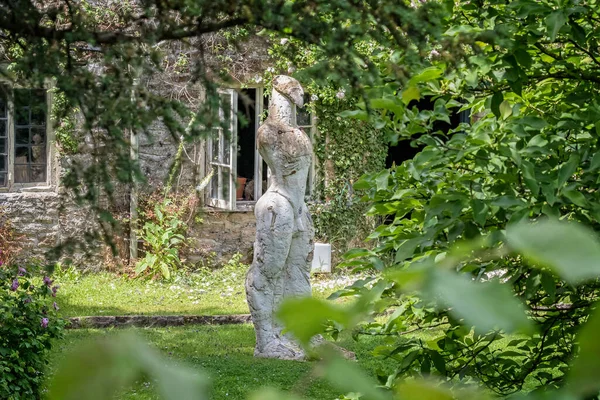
206,292
225,353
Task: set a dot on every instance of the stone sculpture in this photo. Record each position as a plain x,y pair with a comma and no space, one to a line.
284,230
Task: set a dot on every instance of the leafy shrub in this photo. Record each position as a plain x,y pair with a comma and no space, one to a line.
28,323
163,237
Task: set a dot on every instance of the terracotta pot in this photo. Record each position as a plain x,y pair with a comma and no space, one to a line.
241,184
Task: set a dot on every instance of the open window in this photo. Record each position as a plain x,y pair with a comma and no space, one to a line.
222,150
240,174
23,137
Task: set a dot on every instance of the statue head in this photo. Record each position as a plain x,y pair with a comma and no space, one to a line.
290,88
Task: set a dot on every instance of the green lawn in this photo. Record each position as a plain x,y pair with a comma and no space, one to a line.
225,353
220,292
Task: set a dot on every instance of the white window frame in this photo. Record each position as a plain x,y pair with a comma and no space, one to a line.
11,185
217,162
231,203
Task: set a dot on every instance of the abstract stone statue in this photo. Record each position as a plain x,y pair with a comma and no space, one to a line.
284,230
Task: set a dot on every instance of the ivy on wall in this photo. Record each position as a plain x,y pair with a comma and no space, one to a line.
344,150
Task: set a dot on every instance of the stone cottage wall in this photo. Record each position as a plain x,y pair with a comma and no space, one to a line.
221,235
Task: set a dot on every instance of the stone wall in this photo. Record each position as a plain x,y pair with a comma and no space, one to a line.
47,220
221,235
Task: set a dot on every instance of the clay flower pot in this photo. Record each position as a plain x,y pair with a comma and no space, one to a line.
241,184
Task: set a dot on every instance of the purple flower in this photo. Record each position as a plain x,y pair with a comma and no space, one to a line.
15,285
54,290
22,271
27,300
47,281
44,323
55,306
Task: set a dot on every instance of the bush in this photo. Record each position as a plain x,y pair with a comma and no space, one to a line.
28,323
163,238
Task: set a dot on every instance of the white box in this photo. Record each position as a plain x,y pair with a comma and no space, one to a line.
321,262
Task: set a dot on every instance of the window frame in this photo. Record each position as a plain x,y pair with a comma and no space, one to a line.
248,205
11,185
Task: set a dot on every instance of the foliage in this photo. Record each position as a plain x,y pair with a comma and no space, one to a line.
163,237
476,302
107,57
225,354
29,323
344,150
528,73
474,312
103,368
64,123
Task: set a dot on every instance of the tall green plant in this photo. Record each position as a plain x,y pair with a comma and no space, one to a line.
529,78
163,237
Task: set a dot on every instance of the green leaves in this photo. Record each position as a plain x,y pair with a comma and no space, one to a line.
551,243
487,306
348,377
584,377
305,317
496,101
101,369
554,22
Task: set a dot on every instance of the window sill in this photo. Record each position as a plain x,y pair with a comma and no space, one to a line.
28,189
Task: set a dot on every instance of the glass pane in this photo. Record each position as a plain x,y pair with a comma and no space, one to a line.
224,195
3,146
2,105
3,128
3,163
215,146
302,117
21,174
226,106
2,178
38,154
38,173
38,136
226,150
22,136
38,107
214,187
22,116
21,154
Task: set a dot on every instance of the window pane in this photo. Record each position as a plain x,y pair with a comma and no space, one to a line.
224,195
2,105
21,175
3,128
38,136
226,149
214,186
21,136
38,173
37,154
30,136
302,117
215,145
21,154
226,105
3,163
3,179
3,146
38,107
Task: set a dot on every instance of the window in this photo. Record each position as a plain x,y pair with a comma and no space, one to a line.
240,174
23,137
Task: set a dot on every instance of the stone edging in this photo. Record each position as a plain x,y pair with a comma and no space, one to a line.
147,321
